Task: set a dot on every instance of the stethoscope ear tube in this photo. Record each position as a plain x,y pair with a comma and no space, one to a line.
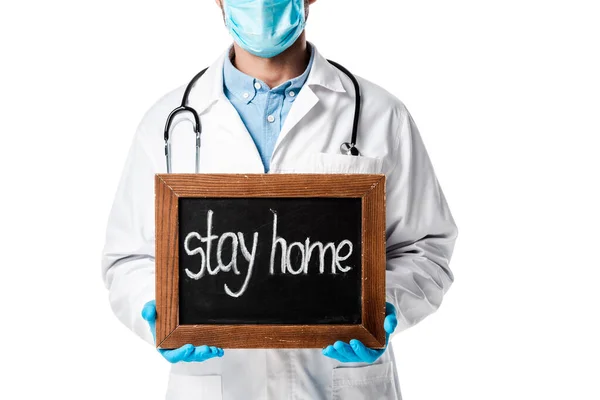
197,127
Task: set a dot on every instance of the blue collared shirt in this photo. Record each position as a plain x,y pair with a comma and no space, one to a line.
263,110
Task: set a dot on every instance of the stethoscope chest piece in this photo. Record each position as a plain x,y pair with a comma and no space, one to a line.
349,149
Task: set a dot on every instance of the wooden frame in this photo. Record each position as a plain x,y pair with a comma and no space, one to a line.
170,187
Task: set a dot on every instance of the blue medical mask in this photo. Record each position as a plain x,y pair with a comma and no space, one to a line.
264,28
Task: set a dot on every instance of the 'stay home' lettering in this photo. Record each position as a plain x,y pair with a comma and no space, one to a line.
283,264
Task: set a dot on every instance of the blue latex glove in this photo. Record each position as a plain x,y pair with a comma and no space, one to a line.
358,352
186,353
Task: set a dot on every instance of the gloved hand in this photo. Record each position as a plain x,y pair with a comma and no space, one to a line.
358,352
186,353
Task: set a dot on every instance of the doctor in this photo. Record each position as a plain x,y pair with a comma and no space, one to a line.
271,103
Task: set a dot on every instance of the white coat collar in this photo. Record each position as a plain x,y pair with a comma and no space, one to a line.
209,88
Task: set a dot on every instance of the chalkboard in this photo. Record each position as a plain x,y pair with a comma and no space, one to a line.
279,290
270,260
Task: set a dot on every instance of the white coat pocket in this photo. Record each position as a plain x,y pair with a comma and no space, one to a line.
371,382
331,163
190,387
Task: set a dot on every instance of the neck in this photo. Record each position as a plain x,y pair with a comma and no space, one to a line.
274,71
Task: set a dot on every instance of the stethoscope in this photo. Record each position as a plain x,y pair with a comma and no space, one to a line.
347,148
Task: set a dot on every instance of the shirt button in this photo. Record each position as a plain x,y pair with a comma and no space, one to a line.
292,93
246,95
271,118
257,85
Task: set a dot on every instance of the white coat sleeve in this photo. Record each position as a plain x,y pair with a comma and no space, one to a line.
128,253
420,230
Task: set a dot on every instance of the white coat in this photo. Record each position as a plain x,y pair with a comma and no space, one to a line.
420,229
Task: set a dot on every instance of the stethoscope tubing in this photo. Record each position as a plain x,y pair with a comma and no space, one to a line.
349,148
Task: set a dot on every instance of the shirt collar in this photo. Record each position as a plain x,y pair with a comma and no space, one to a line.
209,88
245,87
236,82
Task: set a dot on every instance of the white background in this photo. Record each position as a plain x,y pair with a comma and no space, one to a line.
506,95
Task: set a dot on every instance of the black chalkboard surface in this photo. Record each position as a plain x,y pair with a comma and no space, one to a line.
269,260
306,286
